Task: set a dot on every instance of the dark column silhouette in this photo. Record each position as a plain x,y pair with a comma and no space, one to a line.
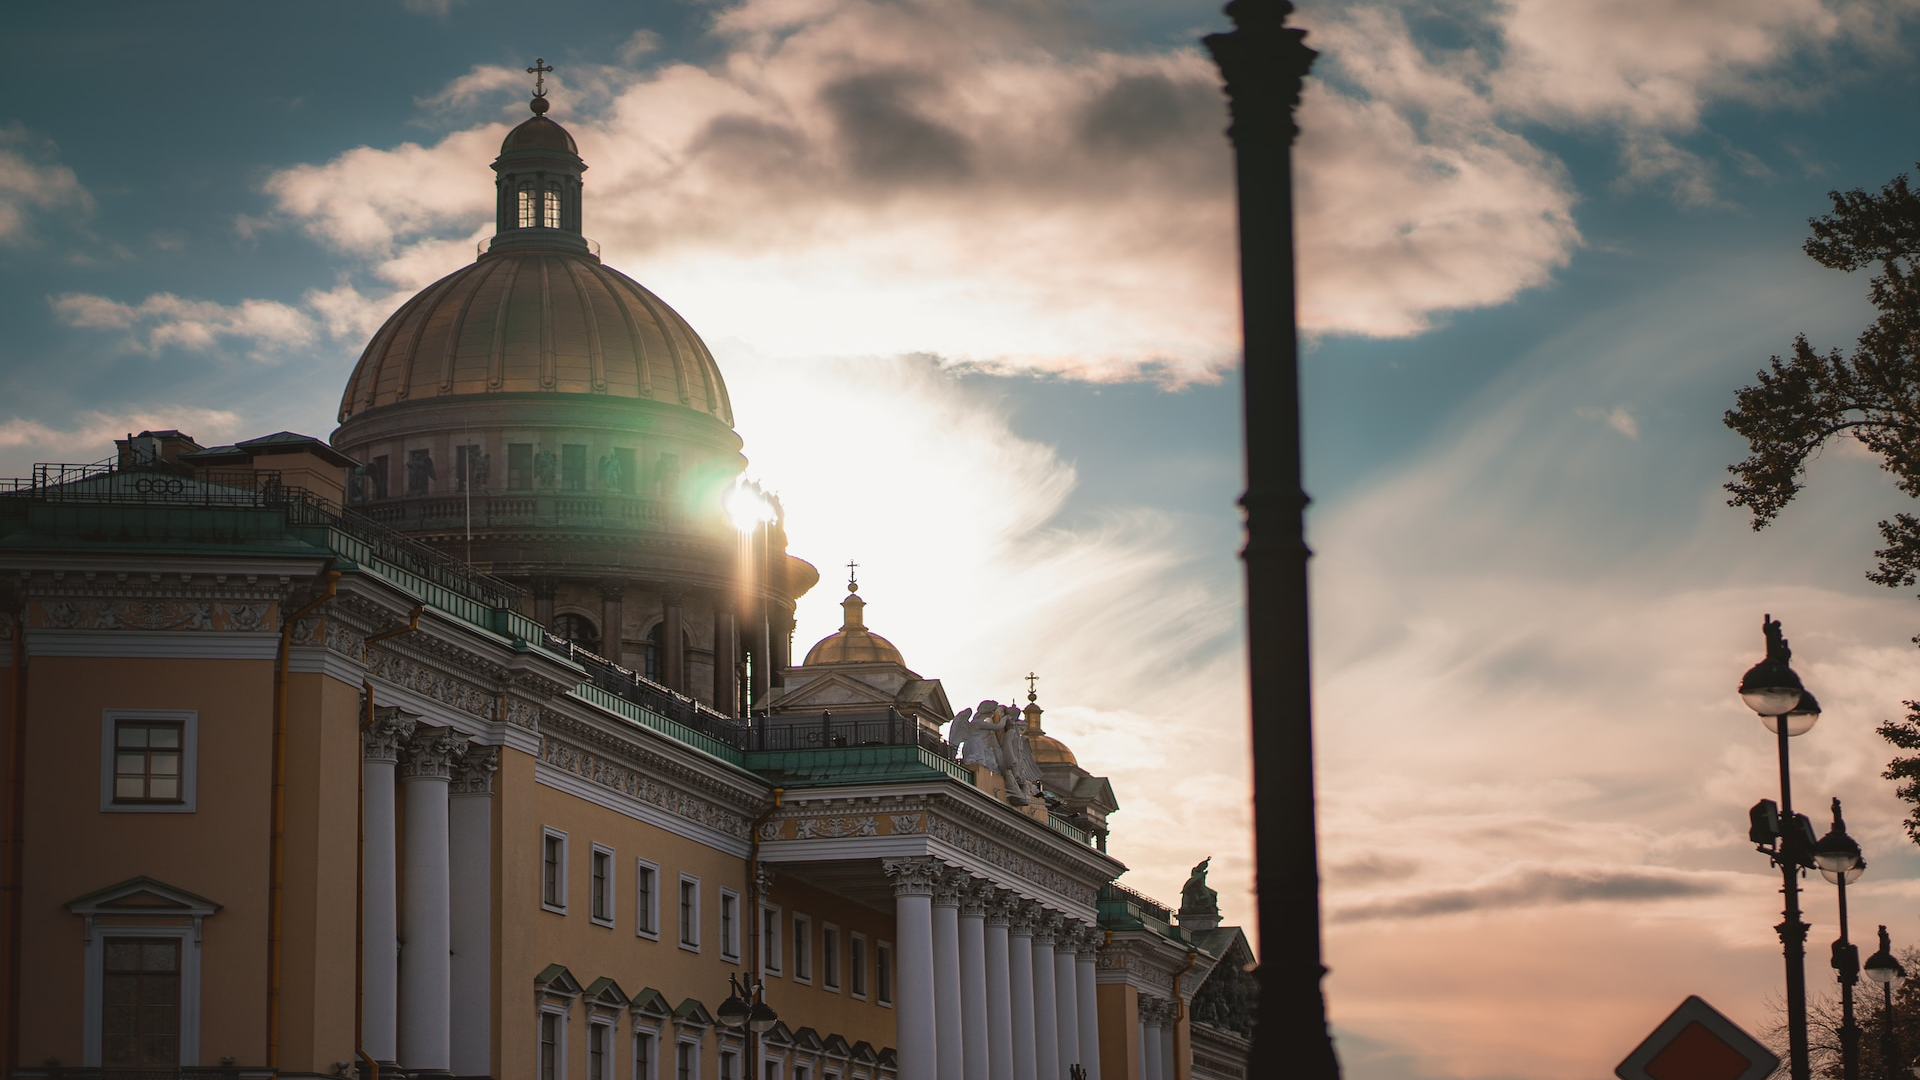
1264,62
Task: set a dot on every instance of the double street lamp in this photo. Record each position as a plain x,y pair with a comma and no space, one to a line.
1772,689
1885,970
1838,857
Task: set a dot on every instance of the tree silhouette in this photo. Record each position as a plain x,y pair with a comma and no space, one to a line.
1799,404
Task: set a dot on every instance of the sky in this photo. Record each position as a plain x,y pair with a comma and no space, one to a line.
984,248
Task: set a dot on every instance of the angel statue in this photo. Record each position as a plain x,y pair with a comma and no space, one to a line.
976,732
1021,770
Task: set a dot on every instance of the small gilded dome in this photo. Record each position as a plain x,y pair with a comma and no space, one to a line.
539,133
854,643
1047,750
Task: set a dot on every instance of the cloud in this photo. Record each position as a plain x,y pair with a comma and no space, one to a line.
1535,887
91,431
483,82
32,183
163,321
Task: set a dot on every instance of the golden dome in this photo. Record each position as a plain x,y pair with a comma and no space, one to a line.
1047,750
853,643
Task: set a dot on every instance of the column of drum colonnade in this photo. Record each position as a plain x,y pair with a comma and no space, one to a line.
988,986
1158,1020
415,1014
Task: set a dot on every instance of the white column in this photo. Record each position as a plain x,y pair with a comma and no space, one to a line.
1083,964
913,1009
1046,1028
1020,988
973,978
951,1062
1152,1065
470,908
380,888
1066,987
1170,1041
1000,988
425,933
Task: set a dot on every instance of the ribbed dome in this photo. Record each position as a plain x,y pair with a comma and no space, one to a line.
853,643
539,133
537,320
1047,750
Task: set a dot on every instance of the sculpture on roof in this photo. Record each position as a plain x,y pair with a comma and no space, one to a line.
1195,897
976,731
1022,771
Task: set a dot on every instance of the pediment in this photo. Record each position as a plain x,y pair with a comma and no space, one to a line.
651,1003
604,991
142,896
807,1039
556,979
691,1011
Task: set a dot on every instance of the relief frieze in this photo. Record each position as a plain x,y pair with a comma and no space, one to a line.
642,788
185,615
447,689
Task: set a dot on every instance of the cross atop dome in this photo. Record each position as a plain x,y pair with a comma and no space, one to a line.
539,72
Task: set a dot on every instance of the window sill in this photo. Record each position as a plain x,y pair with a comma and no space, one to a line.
557,909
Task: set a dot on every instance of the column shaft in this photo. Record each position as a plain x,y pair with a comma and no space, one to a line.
1152,1065
951,1058
726,673
1020,995
673,646
612,621
426,975
1169,1043
973,983
999,993
914,1016
1066,985
1083,965
380,887
1046,1026
470,908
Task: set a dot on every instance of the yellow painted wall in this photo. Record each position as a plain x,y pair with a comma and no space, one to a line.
1119,1008
219,852
827,1011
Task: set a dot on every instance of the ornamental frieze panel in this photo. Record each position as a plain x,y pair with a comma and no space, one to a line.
642,788
1007,859
633,752
447,689
147,614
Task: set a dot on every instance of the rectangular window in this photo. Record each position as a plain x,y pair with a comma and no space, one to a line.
599,1041
553,870
550,207
519,466
623,457
802,1072
141,1016
830,956
643,1055
602,886
147,760
883,973
524,210
770,951
549,1046
857,964
646,901
689,912
770,1070
802,950
686,1061
419,472
729,924
377,476
729,1062
573,467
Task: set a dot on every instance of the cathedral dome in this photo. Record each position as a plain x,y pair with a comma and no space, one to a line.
535,320
853,643
1047,750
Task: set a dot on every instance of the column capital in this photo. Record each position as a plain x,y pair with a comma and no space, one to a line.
390,730
1002,908
431,754
975,896
913,876
473,769
1023,916
949,887
1086,945
612,591
1046,928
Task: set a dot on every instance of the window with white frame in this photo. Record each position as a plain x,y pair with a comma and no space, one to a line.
771,955
602,868
802,1072
686,1061
729,1065
646,899
830,956
645,1046
883,972
857,965
148,760
553,1045
599,1051
729,925
553,870
770,1070
802,949
689,912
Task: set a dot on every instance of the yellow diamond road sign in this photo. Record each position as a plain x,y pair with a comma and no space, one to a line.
1697,1043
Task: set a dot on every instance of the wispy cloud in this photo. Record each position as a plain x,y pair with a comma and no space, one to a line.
92,433
162,321
1535,887
33,182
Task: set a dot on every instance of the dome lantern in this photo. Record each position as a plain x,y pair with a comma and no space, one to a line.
537,183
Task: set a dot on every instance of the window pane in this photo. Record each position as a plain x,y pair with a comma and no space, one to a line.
131,735
162,763
163,787
129,788
134,764
167,735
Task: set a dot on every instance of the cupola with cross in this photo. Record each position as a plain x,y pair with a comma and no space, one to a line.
856,671
537,180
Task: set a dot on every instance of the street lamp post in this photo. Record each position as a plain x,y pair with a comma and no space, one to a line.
1838,857
1885,970
746,1011
1772,689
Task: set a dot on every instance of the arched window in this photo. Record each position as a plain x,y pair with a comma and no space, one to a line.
528,218
577,629
550,204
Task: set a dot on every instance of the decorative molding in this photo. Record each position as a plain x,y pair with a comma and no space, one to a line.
473,773
832,828
946,891
764,876
618,777
975,895
915,876
1005,858
1046,928
451,690
149,614
747,795
904,824
1002,908
389,731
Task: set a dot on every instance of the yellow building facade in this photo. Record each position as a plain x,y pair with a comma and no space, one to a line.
312,771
